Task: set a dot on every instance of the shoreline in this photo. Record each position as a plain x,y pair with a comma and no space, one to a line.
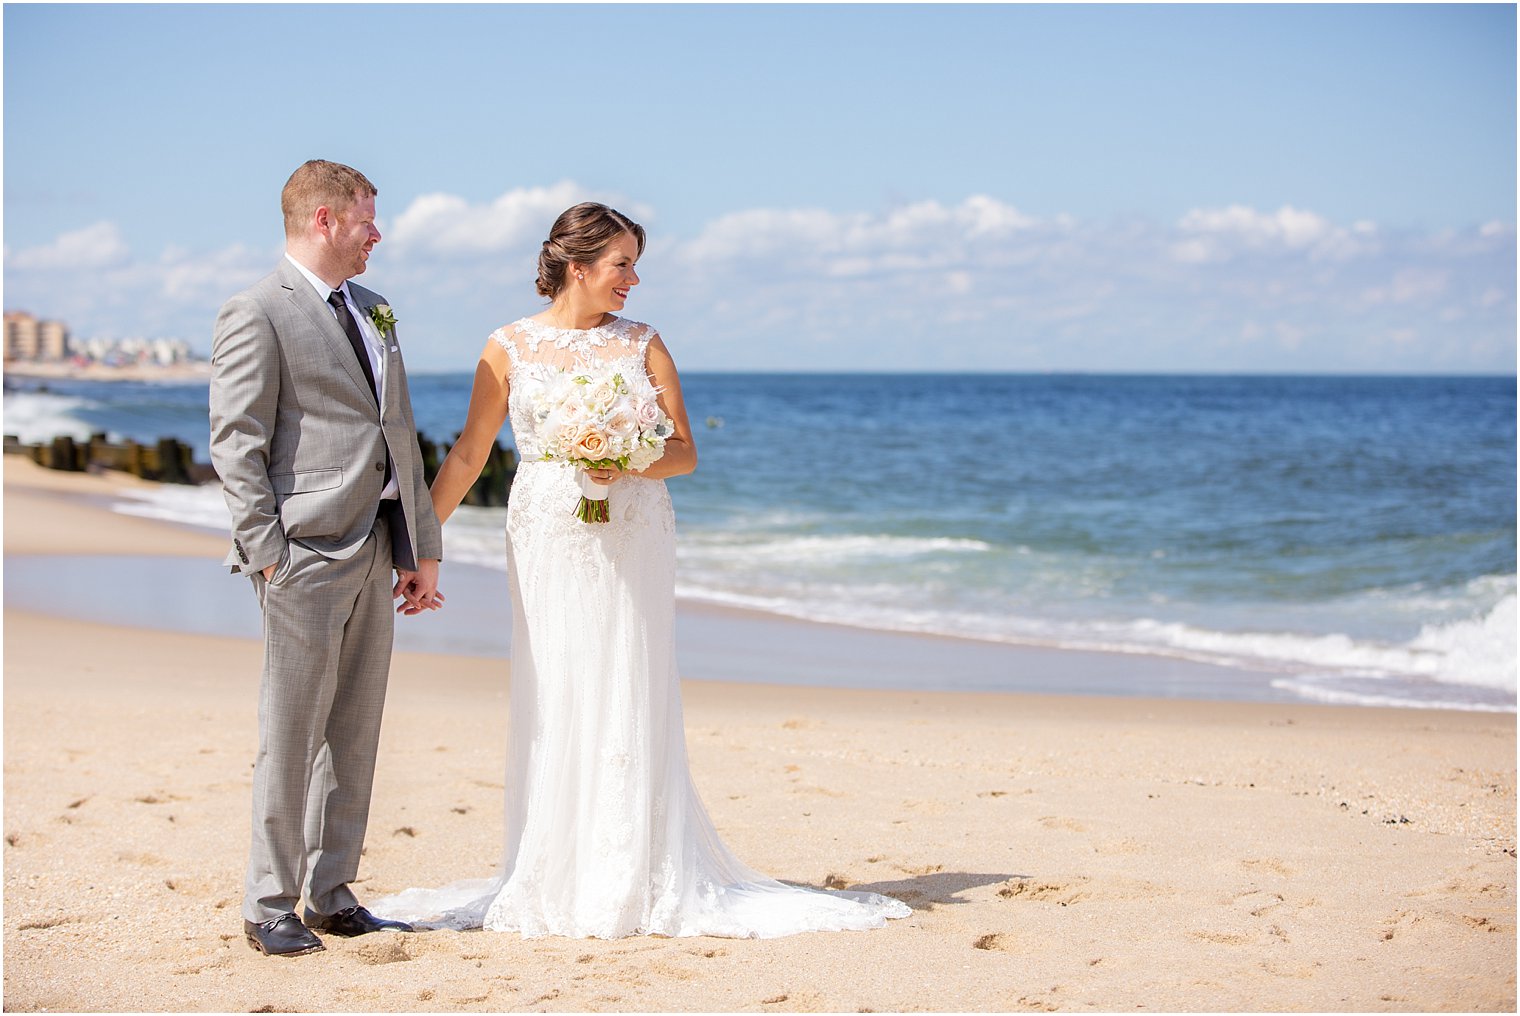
730,643
180,373
1059,851
717,643
741,643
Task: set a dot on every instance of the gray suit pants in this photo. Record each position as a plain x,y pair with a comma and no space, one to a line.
327,651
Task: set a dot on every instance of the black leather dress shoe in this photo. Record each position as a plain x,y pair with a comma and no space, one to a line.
283,936
351,921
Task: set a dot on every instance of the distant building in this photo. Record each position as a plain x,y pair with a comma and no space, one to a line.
31,340
122,352
28,338
53,339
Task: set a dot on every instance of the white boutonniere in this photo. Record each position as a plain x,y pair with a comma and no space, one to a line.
382,318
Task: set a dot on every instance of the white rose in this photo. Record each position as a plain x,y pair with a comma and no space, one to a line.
601,393
621,423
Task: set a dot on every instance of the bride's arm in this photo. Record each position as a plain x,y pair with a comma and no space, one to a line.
488,410
680,455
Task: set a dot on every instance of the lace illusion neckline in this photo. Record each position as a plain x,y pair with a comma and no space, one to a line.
541,328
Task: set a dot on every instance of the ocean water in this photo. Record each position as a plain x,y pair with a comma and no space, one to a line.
1355,536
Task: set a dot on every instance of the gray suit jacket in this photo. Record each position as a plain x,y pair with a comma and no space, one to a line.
297,437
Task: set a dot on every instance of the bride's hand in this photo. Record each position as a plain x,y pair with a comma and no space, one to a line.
604,477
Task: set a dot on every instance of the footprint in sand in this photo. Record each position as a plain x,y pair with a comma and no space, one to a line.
389,948
1060,893
190,969
43,923
1257,902
994,942
672,971
1223,937
1056,822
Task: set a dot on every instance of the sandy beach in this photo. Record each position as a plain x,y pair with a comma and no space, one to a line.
1089,853
41,370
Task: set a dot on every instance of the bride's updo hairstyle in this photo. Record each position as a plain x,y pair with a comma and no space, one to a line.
580,235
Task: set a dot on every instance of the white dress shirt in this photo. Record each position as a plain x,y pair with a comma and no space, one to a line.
374,346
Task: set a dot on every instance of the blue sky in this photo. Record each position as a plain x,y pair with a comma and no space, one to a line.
1096,187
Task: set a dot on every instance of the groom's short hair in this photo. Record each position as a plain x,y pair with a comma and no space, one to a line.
317,183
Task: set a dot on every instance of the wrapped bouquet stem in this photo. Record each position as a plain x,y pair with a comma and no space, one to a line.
593,502
598,418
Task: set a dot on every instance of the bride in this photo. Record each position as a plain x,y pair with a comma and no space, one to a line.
605,834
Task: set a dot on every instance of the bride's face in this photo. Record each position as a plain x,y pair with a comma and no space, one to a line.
607,282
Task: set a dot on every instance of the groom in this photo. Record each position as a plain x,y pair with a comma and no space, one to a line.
313,438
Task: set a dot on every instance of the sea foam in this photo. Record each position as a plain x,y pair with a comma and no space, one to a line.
35,417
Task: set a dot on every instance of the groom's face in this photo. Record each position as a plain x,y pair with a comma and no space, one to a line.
351,234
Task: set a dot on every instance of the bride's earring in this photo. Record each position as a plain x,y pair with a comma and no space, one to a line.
581,276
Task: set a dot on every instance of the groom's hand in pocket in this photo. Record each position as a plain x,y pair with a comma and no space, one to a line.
418,589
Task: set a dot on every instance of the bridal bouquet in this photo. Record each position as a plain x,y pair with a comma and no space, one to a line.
596,419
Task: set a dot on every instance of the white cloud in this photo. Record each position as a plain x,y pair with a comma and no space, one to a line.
1220,234
1413,284
448,226
93,247
974,284
91,279
208,279
765,232
1288,225
913,237
988,215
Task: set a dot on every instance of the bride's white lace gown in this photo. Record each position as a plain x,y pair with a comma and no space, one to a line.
605,834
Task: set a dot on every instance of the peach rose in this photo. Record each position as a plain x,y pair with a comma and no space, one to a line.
591,444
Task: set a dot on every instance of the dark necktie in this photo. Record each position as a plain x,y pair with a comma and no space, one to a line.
351,329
